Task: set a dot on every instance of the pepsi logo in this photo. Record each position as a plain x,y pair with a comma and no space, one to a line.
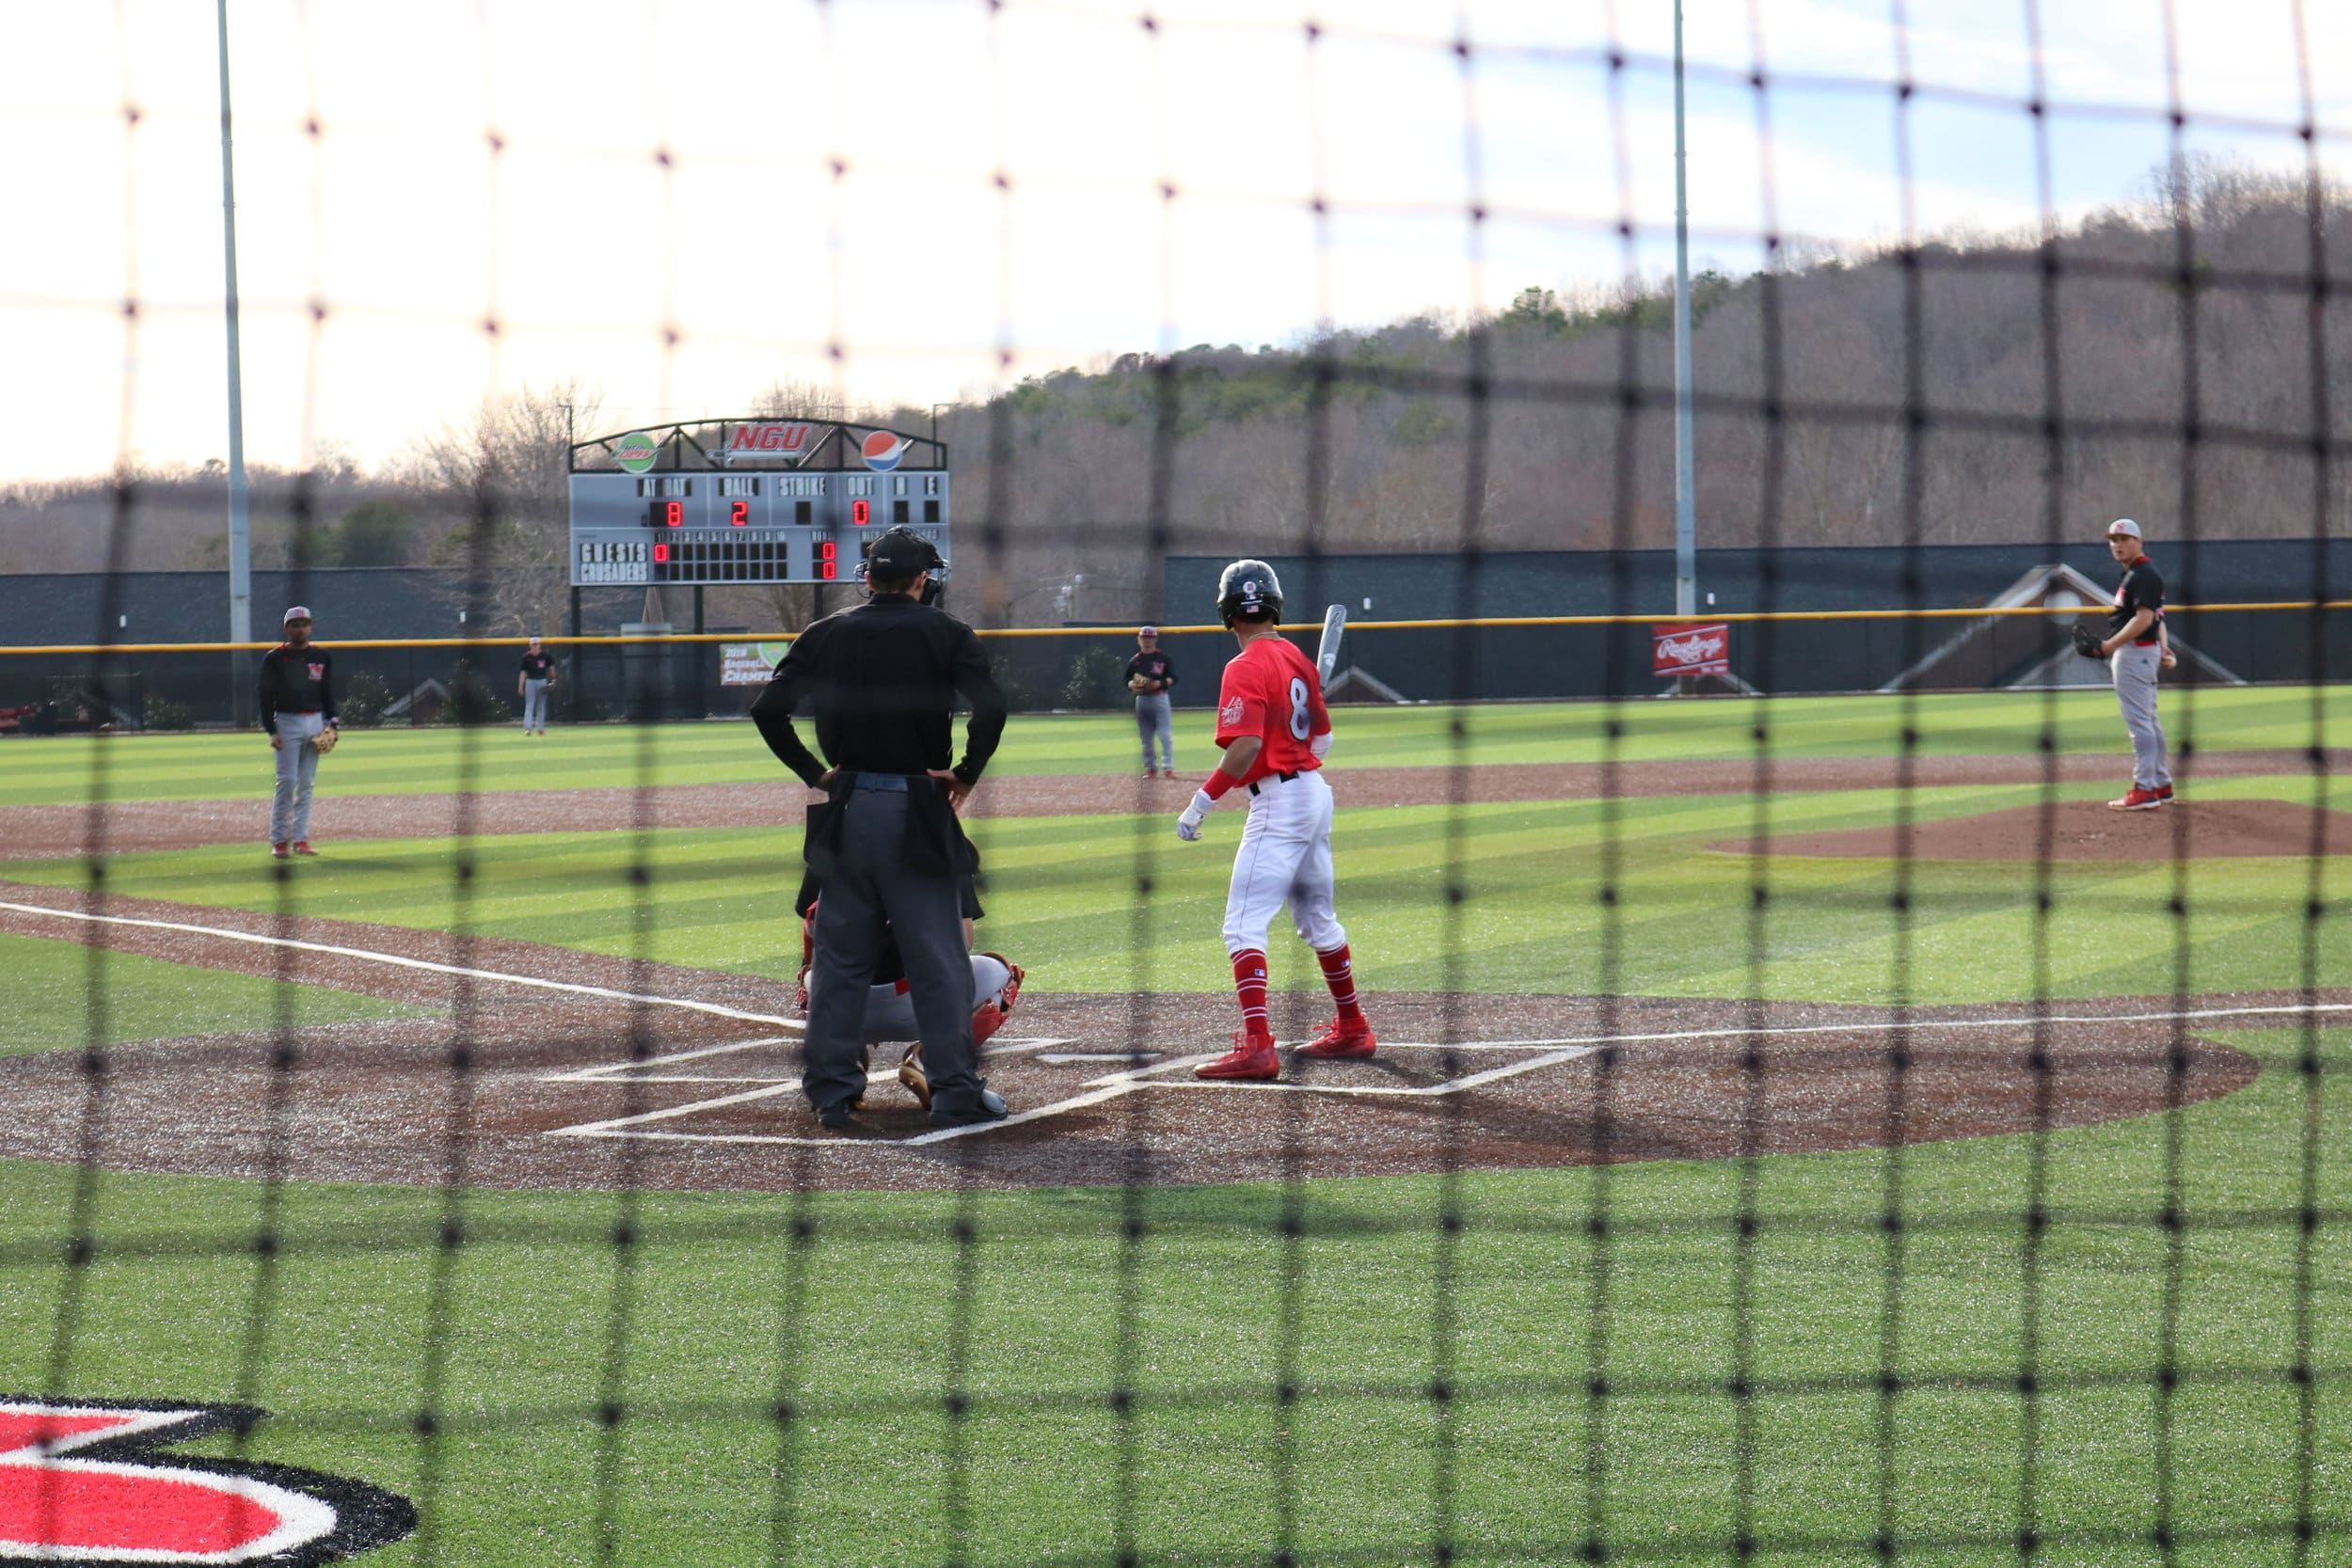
881,451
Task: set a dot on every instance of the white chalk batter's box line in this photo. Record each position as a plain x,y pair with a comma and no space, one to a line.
1537,1055
1547,1053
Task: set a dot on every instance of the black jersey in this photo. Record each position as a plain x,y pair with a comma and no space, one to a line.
538,667
296,680
2141,588
1155,666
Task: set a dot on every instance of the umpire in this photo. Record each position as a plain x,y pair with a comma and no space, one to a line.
881,680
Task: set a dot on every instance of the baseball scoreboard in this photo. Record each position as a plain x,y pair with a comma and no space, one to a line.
748,501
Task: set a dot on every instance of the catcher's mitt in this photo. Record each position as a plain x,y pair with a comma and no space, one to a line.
325,740
2086,641
1138,683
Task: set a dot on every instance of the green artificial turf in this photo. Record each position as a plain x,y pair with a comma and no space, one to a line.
215,766
867,1324
1063,899
50,985
863,1314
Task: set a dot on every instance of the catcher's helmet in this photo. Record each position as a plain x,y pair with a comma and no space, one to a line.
900,552
1248,588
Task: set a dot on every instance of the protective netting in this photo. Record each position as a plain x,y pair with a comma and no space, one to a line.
1806,1128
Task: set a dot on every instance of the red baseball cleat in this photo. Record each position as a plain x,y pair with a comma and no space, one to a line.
302,847
1249,1058
2164,793
2139,800
1341,1041
278,851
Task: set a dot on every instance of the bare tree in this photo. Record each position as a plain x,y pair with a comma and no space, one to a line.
502,476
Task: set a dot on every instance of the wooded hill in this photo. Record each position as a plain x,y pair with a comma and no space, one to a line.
2169,361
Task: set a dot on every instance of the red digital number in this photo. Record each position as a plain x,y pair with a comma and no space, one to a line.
662,554
827,564
860,512
739,513
673,514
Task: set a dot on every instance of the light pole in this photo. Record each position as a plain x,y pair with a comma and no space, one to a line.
240,551
1686,548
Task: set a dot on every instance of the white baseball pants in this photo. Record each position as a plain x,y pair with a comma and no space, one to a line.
1284,858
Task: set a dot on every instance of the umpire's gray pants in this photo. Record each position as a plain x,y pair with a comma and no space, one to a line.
870,887
2135,690
1156,720
534,704
297,766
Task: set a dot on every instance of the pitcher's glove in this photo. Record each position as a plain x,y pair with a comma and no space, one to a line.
2087,642
1138,683
325,740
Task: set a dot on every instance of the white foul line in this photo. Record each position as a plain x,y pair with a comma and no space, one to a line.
711,1008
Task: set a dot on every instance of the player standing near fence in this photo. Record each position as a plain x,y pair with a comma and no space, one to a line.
1271,721
1149,676
296,700
2135,648
536,679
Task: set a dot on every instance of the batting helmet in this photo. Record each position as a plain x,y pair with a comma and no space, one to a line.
1248,588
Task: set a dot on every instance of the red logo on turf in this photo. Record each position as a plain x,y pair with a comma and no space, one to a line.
78,1483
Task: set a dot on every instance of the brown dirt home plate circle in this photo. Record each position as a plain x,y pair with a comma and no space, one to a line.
611,1075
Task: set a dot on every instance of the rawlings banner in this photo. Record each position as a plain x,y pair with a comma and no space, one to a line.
1688,649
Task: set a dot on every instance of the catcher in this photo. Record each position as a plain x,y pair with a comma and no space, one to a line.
890,1007
1151,677
296,702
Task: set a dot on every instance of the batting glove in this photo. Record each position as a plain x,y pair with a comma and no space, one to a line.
1189,824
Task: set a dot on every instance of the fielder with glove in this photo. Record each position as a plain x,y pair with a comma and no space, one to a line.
2135,648
296,700
1272,723
1151,675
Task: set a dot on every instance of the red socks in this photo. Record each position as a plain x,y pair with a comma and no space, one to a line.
1339,972
1250,985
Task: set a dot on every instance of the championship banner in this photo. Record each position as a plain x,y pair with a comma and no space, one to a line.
1684,649
749,663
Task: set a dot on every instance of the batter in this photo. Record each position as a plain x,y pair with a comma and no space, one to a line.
1273,727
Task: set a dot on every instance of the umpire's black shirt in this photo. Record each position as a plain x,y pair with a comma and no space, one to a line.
2141,588
881,679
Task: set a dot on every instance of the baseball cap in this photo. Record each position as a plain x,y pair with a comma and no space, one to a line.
2124,525
1147,631
296,612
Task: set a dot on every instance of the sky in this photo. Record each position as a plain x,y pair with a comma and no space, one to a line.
917,201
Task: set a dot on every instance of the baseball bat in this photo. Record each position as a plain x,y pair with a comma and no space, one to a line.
1328,651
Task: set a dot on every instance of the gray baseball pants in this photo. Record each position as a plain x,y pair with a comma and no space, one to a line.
870,887
534,704
2135,670
297,766
1156,719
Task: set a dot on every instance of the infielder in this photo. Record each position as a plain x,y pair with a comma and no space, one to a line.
2136,647
1271,722
1151,675
532,682
296,700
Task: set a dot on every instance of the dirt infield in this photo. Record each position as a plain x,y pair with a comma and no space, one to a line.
558,1069
39,831
2087,831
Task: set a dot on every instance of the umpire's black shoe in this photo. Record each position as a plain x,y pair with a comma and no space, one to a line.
989,1107
837,1115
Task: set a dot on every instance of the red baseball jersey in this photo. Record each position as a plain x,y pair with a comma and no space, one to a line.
1271,690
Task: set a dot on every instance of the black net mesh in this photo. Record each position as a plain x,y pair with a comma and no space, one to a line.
1807,1125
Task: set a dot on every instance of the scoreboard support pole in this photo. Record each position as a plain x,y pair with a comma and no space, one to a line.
578,672
701,710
